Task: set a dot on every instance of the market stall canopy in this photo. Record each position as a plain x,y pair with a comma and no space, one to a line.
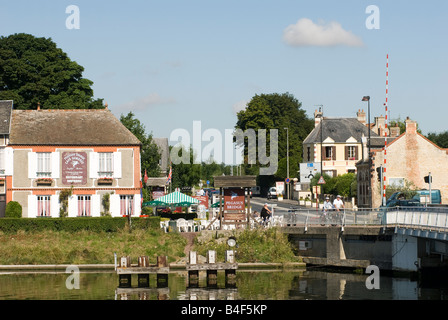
175,199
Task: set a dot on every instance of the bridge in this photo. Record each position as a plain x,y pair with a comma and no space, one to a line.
399,239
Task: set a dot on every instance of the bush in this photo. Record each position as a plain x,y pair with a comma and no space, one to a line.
13,210
94,224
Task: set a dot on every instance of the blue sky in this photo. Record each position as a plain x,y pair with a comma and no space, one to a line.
173,62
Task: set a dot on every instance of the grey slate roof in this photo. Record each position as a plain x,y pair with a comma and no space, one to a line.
340,130
68,128
5,116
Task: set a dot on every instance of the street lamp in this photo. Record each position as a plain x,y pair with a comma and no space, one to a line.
367,98
287,159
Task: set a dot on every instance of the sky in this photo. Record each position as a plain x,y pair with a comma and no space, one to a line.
174,62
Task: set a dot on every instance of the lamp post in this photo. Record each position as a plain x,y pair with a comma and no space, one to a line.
367,98
287,160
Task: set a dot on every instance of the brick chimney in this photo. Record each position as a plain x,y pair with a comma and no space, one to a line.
361,115
380,125
411,126
394,131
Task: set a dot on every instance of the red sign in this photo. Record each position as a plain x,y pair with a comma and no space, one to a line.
234,199
203,200
74,168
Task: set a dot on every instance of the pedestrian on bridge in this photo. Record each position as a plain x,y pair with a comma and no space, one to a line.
338,203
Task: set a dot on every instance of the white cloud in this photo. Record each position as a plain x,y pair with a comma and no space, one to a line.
307,33
240,105
151,100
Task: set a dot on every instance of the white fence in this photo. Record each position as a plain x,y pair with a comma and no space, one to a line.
407,216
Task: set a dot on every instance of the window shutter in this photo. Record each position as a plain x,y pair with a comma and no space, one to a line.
95,205
115,205
93,165
117,165
346,152
137,207
9,161
32,165
333,153
32,206
54,206
72,206
356,153
55,165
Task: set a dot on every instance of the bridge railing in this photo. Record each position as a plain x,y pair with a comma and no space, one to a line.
429,217
407,216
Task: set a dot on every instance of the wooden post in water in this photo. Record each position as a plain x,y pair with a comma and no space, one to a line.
212,275
143,279
230,273
162,278
124,280
193,275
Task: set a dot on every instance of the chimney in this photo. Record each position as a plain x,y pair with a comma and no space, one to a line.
394,131
361,115
317,117
411,126
38,106
380,124
106,106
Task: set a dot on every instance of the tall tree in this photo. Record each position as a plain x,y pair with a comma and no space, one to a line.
34,70
149,155
278,111
440,139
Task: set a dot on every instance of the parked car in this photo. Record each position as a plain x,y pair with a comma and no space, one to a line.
272,193
436,197
409,204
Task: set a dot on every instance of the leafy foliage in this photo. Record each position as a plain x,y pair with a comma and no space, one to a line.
13,210
440,139
278,111
33,70
149,154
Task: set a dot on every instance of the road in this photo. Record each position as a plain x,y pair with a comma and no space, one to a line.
280,208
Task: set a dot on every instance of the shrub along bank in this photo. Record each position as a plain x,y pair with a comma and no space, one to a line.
100,224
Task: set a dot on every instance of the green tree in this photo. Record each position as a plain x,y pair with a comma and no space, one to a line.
186,174
34,70
277,111
440,139
398,122
149,154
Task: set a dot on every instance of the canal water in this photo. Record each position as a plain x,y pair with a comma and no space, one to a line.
309,284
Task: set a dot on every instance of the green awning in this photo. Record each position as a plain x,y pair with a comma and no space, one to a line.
175,199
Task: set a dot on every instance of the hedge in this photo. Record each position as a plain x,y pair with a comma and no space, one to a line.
103,224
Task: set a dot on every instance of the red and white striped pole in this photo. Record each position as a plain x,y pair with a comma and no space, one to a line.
385,131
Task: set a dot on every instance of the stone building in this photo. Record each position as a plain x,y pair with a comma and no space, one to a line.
88,151
337,144
410,156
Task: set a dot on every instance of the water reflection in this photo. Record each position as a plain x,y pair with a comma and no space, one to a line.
249,285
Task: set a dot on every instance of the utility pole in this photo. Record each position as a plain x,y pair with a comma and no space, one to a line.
287,160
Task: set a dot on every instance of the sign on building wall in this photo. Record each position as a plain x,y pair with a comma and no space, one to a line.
74,168
308,171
